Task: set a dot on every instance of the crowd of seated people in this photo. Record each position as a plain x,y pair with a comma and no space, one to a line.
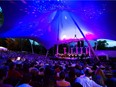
39,71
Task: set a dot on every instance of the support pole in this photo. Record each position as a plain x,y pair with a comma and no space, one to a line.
68,48
71,50
92,50
95,45
57,49
32,50
86,50
64,50
81,50
47,53
76,50
89,51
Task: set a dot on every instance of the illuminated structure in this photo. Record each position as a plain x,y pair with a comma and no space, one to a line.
45,20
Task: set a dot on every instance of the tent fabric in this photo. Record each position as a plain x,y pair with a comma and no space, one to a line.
49,22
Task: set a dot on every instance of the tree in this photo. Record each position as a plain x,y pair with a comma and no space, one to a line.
13,44
102,45
3,42
1,19
26,45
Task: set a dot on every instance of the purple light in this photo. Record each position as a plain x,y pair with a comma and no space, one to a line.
90,36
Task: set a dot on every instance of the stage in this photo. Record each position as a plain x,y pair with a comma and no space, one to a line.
69,58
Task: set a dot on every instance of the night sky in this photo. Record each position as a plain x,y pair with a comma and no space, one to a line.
50,20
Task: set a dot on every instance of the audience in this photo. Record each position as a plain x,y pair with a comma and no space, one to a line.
62,82
3,75
33,70
98,77
25,81
12,72
86,81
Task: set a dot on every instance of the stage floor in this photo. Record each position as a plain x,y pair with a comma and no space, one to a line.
68,58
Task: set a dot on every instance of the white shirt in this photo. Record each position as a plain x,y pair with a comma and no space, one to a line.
86,82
